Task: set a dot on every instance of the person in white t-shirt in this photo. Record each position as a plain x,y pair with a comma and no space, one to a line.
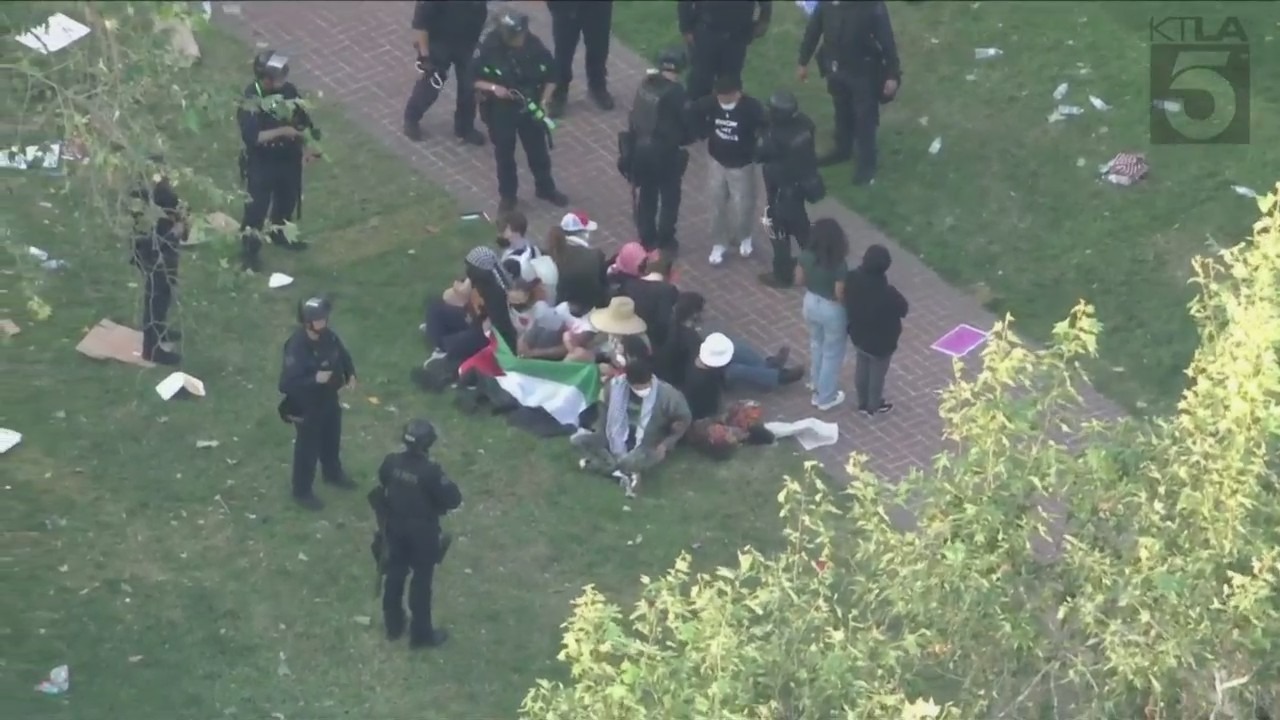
517,251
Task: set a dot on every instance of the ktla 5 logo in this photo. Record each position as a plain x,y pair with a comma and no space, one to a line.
1199,81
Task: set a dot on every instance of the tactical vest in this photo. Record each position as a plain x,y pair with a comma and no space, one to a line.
645,110
793,144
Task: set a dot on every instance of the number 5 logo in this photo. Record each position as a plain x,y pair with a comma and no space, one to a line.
1212,87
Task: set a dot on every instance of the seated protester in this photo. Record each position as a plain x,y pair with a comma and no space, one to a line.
626,265
453,328
654,295
642,419
619,324
517,251
538,327
490,282
547,276
580,346
583,285
717,432
748,367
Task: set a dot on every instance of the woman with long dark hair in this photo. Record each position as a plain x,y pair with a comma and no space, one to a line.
822,270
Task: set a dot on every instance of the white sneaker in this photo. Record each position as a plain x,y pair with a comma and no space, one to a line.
834,403
717,255
745,248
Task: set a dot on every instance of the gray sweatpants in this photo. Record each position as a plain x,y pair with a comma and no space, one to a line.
733,202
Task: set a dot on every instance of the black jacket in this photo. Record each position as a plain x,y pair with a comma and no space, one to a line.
254,117
455,24
303,358
155,244
583,283
786,152
675,358
416,491
857,41
526,69
654,301
734,18
874,307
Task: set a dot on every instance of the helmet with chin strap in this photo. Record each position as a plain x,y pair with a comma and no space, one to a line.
314,309
419,435
783,105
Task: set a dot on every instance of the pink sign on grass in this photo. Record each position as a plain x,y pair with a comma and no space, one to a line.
960,341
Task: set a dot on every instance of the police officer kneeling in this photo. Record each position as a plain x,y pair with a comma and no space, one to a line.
651,155
413,493
316,366
791,179
158,230
514,71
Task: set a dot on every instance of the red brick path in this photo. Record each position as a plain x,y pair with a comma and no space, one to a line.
359,54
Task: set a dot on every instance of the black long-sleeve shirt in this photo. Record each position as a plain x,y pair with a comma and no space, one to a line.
303,358
722,17
254,117
856,36
456,23
155,244
732,135
416,491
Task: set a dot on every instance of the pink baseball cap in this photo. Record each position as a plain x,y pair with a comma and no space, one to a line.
575,222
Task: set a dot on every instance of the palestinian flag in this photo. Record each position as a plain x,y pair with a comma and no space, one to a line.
562,389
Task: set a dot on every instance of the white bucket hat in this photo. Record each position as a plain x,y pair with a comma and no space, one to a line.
716,351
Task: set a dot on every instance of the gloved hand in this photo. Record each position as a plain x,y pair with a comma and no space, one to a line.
424,64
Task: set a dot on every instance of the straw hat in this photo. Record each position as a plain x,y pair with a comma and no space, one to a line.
716,351
618,319
460,294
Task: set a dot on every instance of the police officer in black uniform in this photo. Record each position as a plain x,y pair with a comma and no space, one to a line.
316,366
859,60
447,33
274,127
590,20
413,493
718,33
651,154
159,228
791,179
514,73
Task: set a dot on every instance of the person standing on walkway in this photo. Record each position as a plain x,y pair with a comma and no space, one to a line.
159,228
316,367
651,154
590,20
822,270
447,33
731,121
875,311
513,70
859,60
717,33
791,179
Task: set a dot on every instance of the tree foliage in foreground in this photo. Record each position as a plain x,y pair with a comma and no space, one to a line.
1127,573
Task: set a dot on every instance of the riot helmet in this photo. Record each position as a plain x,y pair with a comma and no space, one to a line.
270,69
314,310
783,106
513,26
672,60
419,435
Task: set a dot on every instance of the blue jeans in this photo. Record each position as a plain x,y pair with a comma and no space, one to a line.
749,368
826,322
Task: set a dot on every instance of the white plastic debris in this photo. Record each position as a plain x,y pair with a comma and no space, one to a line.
58,682
279,280
1063,112
985,53
1167,105
9,440
1097,103
54,34
1241,190
46,262
1061,91
936,146
207,444
170,386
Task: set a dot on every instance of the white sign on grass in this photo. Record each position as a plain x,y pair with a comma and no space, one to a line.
56,33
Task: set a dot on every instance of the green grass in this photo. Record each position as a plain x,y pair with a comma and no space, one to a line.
1010,208
173,580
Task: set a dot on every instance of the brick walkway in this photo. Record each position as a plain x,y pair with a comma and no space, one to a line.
359,54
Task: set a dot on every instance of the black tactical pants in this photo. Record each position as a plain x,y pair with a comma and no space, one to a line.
857,117
425,93
275,189
789,219
504,132
415,552
158,279
318,439
495,303
591,22
657,202
715,54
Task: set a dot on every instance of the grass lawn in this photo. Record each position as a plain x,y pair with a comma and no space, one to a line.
1010,207
182,583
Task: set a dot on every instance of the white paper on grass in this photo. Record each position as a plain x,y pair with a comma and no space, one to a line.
9,439
179,381
811,433
279,280
56,33
42,157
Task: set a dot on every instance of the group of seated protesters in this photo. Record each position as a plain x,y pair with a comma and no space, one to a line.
663,381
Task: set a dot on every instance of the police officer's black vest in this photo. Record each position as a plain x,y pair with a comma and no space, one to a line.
848,45
644,117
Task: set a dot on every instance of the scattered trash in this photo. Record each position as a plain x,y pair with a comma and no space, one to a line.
46,262
1061,91
474,216
202,444
971,77
639,539
283,668
936,146
179,382
9,440
109,341
1065,111
279,280
1167,105
302,557
374,400
924,121
1243,191
1125,169
32,157
58,682
57,32
811,433
1097,103
959,341
364,620
1081,162
135,658
985,53
9,327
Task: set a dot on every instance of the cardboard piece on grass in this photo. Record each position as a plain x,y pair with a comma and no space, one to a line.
9,440
279,280
182,41
57,32
109,341
179,382
219,223
959,341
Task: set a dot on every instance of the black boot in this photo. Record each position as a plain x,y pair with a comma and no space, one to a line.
341,480
471,136
395,625
506,205
430,639
559,98
555,197
603,99
779,359
309,501
413,131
